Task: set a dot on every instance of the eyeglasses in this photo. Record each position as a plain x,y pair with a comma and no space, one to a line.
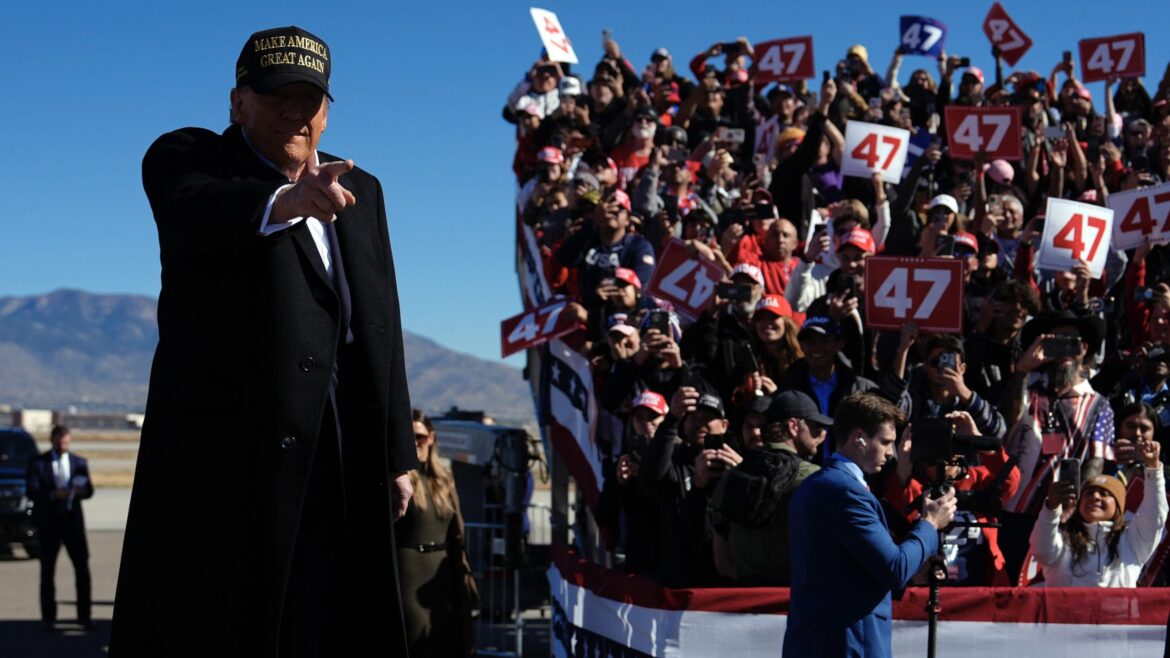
644,120
419,438
961,252
714,91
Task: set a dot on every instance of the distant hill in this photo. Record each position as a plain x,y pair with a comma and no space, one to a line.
93,351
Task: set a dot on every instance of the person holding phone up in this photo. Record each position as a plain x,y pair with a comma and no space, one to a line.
1098,546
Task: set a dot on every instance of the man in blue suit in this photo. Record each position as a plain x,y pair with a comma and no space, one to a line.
58,480
844,562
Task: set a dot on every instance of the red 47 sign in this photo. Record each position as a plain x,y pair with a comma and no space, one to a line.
685,282
1003,32
534,327
1145,216
926,291
1075,231
783,60
871,147
996,130
1122,56
556,43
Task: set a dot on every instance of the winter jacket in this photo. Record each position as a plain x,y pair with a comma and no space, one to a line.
1139,539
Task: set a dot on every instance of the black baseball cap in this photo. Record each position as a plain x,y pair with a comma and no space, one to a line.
712,402
283,55
820,324
795,404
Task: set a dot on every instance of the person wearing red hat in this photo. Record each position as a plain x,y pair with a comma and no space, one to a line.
624,507
774,328
809,279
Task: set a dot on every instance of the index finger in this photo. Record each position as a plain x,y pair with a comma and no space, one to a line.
335,169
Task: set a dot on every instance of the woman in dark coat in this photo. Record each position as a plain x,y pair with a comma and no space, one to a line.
437,591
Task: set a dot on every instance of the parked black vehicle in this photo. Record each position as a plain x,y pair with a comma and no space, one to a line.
17,447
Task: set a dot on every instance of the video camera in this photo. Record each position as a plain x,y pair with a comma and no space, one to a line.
937,444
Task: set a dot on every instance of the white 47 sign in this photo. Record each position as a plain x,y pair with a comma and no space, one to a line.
926,291
872,148
1075,231
1145,216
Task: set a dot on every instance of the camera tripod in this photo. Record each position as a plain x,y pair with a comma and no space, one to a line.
936,575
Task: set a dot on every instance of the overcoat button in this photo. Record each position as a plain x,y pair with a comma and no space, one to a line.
307,363
288,442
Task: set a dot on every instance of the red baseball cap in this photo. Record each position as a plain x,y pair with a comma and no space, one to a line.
750,270
622,198
774,304
968,240
629,276
860,238
551,155
652,401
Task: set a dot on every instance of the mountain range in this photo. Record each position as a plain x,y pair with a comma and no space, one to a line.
74,349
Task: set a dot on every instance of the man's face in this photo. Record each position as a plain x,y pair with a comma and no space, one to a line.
1160,324
645,421
1013,221
62,443
809,438
1011,316
713,98
745,308
934,371
752,430
878,448
701,422
852,260
780,241
1065,371
285,125
820,351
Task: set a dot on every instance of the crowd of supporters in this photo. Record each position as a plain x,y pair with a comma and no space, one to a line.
699,414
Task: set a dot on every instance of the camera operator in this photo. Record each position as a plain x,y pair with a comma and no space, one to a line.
1058,416
758,554
972,553
938,387
1098,546
687,455
624,507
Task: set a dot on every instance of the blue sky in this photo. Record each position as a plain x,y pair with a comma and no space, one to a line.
419,88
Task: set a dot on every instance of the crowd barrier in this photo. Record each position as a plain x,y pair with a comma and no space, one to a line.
601,612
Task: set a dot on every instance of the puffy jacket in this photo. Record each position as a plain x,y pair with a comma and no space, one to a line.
1138,541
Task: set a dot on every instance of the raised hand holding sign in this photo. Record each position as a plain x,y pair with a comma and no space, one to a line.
1075,231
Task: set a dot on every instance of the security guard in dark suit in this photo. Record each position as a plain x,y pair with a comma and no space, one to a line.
58,481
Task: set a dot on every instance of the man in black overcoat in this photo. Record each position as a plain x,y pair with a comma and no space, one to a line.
278,438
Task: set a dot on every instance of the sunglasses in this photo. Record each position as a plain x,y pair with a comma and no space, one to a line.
419,438
714,91
965,252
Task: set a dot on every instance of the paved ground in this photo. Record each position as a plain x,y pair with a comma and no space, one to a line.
20,626
20,629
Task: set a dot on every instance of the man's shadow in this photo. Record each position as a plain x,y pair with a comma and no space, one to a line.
26,638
